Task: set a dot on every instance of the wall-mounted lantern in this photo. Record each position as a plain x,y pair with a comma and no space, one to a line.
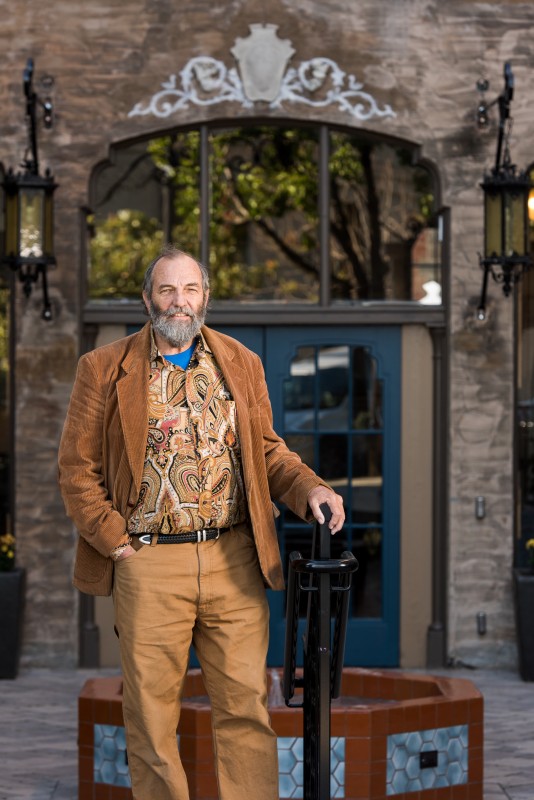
29,206
506,194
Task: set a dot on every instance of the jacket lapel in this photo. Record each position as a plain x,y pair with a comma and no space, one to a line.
233,372
132,394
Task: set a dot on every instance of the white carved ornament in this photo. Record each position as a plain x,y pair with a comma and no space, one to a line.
263,76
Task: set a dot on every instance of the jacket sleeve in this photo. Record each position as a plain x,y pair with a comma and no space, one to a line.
81,476
290,480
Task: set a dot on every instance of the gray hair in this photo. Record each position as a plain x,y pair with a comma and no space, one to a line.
171,251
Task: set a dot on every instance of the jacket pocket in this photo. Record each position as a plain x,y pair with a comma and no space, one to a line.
90,565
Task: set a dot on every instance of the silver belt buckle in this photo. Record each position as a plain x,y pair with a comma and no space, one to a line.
201,535
146,538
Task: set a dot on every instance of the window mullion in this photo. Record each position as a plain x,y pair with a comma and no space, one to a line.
324,217
205,205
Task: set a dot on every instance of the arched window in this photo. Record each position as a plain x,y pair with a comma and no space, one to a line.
279,213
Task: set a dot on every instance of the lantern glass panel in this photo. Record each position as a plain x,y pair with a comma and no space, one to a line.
31,223
515,224
12,223
48,238
493,223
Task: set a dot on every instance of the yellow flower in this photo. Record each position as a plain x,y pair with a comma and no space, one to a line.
530,544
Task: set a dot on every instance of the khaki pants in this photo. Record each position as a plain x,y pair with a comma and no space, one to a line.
211,594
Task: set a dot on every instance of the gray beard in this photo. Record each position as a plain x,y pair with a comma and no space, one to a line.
177,333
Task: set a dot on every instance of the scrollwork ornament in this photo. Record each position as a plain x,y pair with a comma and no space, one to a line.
317,83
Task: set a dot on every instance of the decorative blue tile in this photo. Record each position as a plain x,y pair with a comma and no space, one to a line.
455,750
109,760
400,758
455,774
286,760
414,743
413,768
403,767
291,767
298,748
285,742
428,778
298,773
414,785
286,785
441,738
110,767
443,763
338,748
399,782
339,773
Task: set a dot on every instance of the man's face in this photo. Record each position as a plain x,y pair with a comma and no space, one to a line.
178,303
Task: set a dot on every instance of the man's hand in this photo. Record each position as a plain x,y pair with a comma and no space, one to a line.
126,553
320,495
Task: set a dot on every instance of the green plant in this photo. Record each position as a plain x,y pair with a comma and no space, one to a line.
7,552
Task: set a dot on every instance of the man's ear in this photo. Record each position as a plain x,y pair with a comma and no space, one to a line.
146,301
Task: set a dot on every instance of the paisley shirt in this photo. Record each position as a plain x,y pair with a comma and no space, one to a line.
192,471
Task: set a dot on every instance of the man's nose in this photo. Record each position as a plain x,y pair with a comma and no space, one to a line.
178,297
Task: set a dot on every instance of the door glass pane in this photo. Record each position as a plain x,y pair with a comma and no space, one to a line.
366,392
344,449
333,368
6,443
263,214
525,409
385,241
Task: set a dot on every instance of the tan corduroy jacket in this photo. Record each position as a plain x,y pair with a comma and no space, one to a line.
103,446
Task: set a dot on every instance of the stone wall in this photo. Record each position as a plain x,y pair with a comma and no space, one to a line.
423,58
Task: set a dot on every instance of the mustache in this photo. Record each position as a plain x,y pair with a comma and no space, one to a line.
172,310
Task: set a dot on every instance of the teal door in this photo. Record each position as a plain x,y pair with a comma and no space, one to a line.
335,394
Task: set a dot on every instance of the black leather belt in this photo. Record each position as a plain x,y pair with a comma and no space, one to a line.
203,535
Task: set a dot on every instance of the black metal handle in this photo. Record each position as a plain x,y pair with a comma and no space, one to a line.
340,566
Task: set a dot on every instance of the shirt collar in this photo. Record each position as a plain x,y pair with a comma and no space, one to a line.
157,359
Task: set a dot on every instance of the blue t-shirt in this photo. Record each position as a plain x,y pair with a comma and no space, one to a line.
181,359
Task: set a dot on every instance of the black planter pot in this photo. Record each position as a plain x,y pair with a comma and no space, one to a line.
524,614
12,585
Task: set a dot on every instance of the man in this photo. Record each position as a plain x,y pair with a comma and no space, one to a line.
168,463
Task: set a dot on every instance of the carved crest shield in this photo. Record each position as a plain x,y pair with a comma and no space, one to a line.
262,59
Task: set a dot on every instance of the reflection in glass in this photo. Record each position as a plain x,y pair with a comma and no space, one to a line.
316,395
125,227
261,195
263,215
381,207
345,449
5,425
525,410
31,223
367,457
366,391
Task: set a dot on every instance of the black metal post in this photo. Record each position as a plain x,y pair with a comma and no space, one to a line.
322,663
